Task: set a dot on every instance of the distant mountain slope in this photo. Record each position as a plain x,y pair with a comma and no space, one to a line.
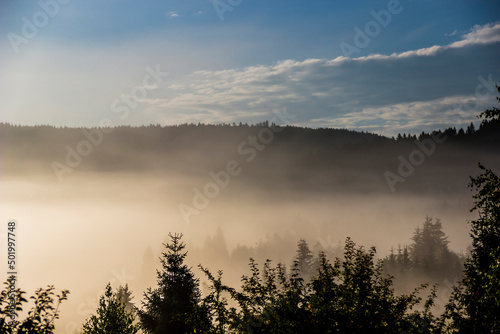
271,157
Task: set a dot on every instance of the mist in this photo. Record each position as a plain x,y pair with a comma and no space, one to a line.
100,227
105,218
251,128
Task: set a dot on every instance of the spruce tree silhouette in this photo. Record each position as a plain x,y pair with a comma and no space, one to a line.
305,260
174,306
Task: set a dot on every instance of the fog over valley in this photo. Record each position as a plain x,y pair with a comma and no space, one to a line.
106,220
243,167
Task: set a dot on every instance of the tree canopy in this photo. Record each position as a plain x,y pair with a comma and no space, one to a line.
41,317
111,316
475,304
174,305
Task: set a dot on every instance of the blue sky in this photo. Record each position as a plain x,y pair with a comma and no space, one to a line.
329,63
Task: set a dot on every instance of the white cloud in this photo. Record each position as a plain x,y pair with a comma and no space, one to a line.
172,14
489,33
385,93
453,33
408,117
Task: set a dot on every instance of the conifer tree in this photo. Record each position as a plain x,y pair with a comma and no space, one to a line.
430,254
124,295
174,306
305,260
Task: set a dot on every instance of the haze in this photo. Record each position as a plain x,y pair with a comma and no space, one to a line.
245,129
107,219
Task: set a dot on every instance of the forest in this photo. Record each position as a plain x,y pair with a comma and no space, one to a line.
351,291
351,294
305,159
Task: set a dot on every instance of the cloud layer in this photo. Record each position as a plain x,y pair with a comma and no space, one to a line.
410,91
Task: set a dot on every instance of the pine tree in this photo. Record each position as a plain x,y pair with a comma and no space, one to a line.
471,129
405,262
174,306
391,262
124,295
305,260
430,254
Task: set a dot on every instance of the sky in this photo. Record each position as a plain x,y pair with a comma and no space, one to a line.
381,66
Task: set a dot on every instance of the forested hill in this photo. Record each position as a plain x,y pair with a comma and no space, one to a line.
283,157
179,137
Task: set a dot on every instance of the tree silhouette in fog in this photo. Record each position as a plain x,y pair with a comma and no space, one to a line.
111,315
173,306
430,254
475,304
347,296
399,265
427,259
305,260
41,317
124,296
